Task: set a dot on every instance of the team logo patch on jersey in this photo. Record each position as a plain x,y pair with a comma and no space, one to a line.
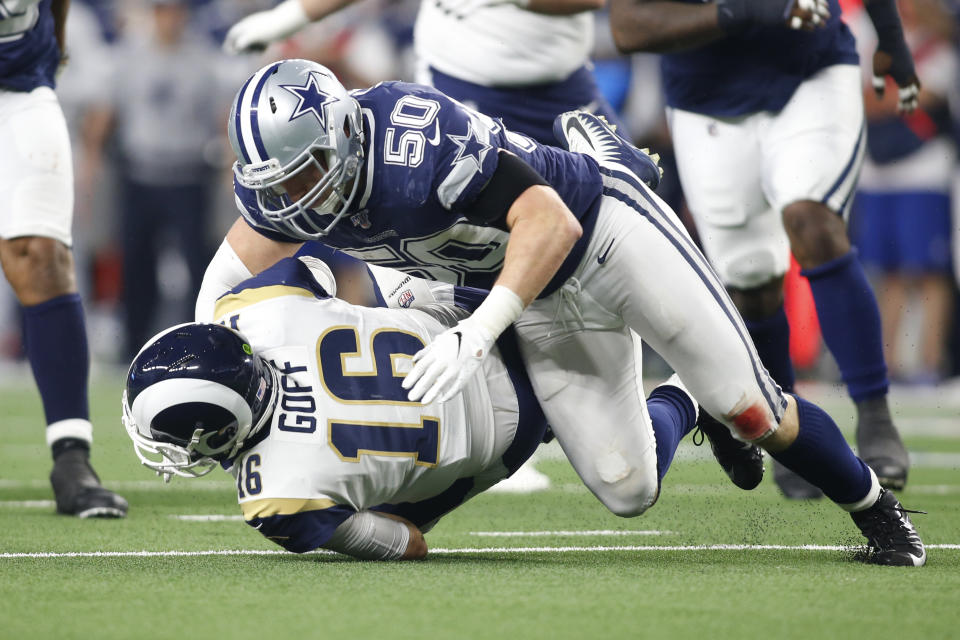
405,299
361,219
311,99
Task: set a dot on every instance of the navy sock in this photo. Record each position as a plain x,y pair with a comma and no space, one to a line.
822,457
850,322
673,416
771,335
55,337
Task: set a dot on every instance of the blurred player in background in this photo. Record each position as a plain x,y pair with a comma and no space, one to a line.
36,209
573,239
901,220
767,119
165,122
523,61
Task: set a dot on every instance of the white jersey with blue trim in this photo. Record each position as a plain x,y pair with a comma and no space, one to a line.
29,52
520,47
344,437
427,158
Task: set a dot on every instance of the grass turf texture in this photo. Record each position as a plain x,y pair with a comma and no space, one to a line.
656,593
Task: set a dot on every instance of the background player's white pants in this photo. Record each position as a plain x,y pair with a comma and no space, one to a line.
36,166
641,271
739,173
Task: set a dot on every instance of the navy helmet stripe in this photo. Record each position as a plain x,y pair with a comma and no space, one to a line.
667,224
236,121
254,110
851,163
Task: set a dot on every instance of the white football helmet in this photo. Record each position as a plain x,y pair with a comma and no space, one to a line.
298,136
194,394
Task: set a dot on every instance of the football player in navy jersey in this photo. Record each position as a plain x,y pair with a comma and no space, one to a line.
577,252
766,114
36,209
522,61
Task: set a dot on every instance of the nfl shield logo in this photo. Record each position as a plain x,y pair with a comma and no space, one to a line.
405,299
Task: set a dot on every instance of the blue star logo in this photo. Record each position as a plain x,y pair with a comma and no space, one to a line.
470,147
311,99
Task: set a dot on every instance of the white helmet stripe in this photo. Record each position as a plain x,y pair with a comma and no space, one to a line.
167,393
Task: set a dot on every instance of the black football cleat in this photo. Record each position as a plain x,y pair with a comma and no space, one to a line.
879,443
792,486
891,538
78,491
741,461
584,132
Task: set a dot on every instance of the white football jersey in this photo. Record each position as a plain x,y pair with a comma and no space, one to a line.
344,437
519,47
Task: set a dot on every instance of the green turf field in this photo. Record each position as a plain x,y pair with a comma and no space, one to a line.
549,565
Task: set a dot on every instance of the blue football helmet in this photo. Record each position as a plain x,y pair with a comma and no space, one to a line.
194,394
298,137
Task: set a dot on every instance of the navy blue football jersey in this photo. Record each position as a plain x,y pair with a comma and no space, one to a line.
756,70
427,159
29,53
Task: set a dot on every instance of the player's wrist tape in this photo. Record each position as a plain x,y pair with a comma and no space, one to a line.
886,21
499,310
289,16
734,15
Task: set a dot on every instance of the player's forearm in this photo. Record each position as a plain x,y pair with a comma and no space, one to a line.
60,8
643,25
320,9
370,535
564,7
542,233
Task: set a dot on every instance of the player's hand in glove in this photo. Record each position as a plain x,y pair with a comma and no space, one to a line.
441,369
892,58
258,30
736,15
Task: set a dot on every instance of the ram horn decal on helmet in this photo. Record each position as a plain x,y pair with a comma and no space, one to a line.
194,394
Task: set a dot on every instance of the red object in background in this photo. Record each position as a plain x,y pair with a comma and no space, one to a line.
107,274
802,316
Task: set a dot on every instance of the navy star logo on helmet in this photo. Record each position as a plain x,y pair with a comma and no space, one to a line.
311,99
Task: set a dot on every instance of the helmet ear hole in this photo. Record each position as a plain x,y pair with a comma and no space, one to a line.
346,126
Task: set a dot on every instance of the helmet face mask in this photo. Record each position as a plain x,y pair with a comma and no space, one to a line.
299,141
194,394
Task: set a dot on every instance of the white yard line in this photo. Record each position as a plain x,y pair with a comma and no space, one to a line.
537,534
469,551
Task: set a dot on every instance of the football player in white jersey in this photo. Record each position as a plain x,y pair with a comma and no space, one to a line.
577,252
36,214
305,407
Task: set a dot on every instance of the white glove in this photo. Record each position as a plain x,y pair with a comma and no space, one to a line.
809,14
442,368
263,28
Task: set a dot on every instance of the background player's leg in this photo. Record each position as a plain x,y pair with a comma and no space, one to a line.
36,202
813,150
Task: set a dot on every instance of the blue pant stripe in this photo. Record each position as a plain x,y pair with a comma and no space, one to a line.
667,224
851,163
